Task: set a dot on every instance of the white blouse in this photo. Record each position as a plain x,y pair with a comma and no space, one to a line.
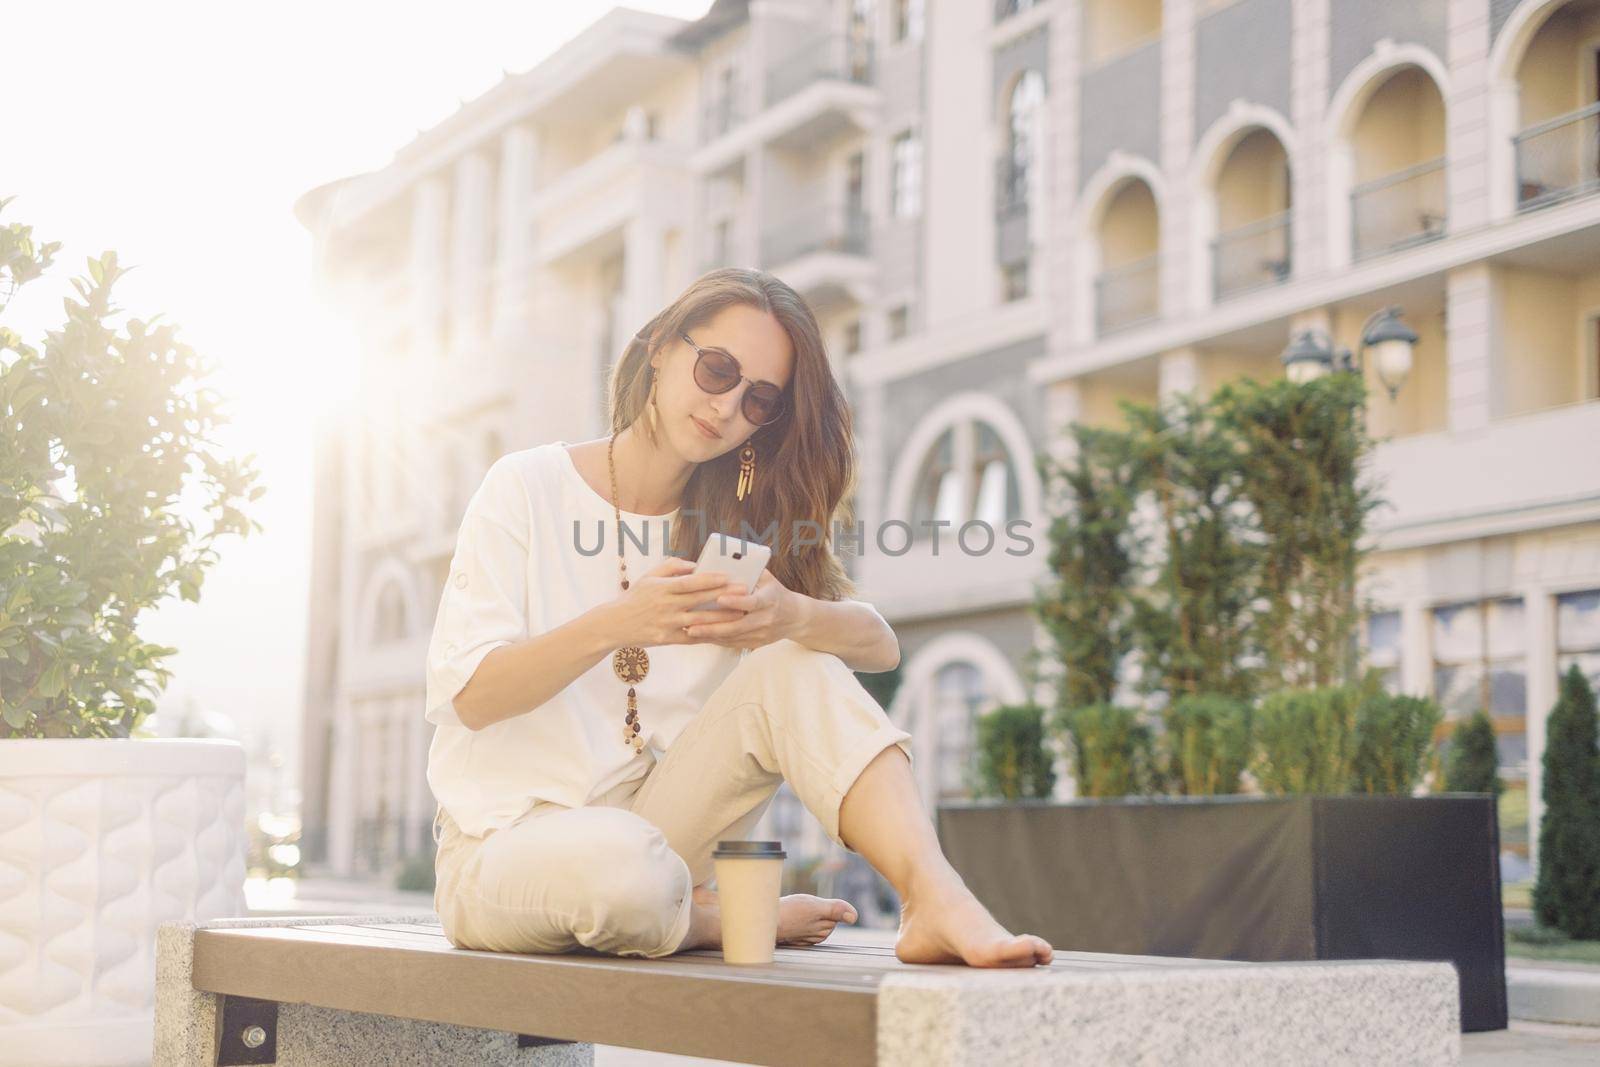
518,571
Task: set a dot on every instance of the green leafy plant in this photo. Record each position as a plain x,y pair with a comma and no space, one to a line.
1086,607
1111,750
1394,734
1300,450
1474,762
1307,740
1215,541
1192,622
1013,759
105,426
1567,893
1207,743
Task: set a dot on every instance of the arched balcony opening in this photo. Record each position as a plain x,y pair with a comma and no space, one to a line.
1557,144
1251,203
1397,141
1127,285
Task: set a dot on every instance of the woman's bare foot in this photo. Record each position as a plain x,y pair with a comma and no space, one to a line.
803,919
942,922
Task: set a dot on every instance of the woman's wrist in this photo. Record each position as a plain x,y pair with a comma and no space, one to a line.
803,613
601,626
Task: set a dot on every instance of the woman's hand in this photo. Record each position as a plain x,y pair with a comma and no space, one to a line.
654,609
769,613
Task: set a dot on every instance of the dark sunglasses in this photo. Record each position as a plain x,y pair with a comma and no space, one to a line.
716,371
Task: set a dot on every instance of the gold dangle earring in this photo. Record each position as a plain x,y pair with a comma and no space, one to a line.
747,471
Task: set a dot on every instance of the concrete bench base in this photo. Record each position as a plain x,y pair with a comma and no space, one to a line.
186,1033
355,990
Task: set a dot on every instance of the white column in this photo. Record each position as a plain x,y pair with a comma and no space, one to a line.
1469,343
1063,402
429,202
874,451
468,230
1177,371
642,270
1468,131
1065,46
1539,611
1416,647
1177,140
341,790
514,251
1308,168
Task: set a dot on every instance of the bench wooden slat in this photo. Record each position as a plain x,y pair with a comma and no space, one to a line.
686,1009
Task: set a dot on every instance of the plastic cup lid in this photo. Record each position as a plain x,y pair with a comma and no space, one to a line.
750,849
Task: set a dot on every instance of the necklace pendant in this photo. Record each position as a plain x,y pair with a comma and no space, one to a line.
630,663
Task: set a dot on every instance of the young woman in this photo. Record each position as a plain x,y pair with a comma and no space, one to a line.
595,737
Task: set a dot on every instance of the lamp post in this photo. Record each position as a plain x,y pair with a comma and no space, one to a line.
1311,354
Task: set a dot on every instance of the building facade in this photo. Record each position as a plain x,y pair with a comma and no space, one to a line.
1007,215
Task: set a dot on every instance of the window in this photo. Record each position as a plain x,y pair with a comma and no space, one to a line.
1578,633
1383,647
721,242
908,18
1026,110
959,695
1014,279
1480,662
967,476
906,191
390,624
899,320
852,337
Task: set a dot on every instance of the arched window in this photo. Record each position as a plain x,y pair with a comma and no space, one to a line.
959,694
1026,112
390,624
968,475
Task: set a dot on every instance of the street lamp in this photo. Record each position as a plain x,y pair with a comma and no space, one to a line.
1311,353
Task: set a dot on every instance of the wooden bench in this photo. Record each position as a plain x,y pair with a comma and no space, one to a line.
366,990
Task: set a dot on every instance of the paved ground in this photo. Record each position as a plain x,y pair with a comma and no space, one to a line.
1525,1044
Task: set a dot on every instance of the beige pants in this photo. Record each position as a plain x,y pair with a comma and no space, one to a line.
615,875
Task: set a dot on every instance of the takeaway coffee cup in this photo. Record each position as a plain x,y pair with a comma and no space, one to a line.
749,880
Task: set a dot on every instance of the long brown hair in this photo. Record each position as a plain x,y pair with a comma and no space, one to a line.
805,460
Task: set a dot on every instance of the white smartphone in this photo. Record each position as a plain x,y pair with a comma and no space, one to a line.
740,559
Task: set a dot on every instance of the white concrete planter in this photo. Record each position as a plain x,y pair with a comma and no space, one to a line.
101,841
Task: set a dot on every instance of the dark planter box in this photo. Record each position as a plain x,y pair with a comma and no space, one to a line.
1249,878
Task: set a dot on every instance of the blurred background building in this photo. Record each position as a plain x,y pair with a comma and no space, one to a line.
1007,215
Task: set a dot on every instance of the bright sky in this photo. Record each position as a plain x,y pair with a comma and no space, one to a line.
180,134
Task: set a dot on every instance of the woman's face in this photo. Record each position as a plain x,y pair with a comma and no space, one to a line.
764,352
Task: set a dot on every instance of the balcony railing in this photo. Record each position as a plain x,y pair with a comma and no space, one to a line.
1127,295
1004,9
722,113
1398,210
1558,159
836,57
840,227
1250,256
1010,186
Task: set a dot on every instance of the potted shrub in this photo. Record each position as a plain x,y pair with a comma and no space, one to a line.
107,832
1203,567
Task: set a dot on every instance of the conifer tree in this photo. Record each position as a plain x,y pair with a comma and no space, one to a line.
1567,894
